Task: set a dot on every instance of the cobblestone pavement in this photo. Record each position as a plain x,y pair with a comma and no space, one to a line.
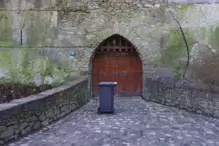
135,123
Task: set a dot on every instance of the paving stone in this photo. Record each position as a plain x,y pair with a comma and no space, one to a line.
135,123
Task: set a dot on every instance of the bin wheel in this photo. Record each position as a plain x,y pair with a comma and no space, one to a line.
98,110
113,111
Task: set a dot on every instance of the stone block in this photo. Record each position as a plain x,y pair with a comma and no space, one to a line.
42,117
23,126
30,118
25,130
36,125
7,133
2,128
216,113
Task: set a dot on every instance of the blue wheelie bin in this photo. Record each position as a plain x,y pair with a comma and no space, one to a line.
106,97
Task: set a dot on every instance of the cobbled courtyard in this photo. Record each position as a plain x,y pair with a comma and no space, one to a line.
135,123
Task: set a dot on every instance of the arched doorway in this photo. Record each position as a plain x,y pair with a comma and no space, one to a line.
116,59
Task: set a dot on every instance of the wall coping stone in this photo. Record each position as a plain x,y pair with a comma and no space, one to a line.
182,84
41,95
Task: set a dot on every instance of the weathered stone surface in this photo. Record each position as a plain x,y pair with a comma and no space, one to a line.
193,97
8,132
201,50
42,117
135,123
2,128
23,126
40,111
80,26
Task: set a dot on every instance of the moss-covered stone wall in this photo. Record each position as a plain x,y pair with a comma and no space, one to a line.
80,26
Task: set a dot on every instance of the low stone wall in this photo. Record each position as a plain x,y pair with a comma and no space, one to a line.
194,97
22,116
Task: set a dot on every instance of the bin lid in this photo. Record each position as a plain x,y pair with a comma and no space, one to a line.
107,83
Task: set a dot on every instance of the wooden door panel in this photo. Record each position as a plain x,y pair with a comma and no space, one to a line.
124,83
137,79
123,75
94,85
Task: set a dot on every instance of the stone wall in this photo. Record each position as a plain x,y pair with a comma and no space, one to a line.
147,24
194,97
80,26
83,25
36,19
22,116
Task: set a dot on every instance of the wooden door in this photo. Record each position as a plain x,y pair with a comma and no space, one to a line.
116,60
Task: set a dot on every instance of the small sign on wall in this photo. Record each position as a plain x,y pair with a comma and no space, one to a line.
73,54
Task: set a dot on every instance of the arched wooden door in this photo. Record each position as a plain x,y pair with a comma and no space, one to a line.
117,60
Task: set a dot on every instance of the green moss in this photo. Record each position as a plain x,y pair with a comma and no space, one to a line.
5,43
214,37
5,29
185,8
175,48
39,29
175,51
35,29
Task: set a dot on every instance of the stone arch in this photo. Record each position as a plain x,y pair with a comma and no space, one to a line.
97,46
131,37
